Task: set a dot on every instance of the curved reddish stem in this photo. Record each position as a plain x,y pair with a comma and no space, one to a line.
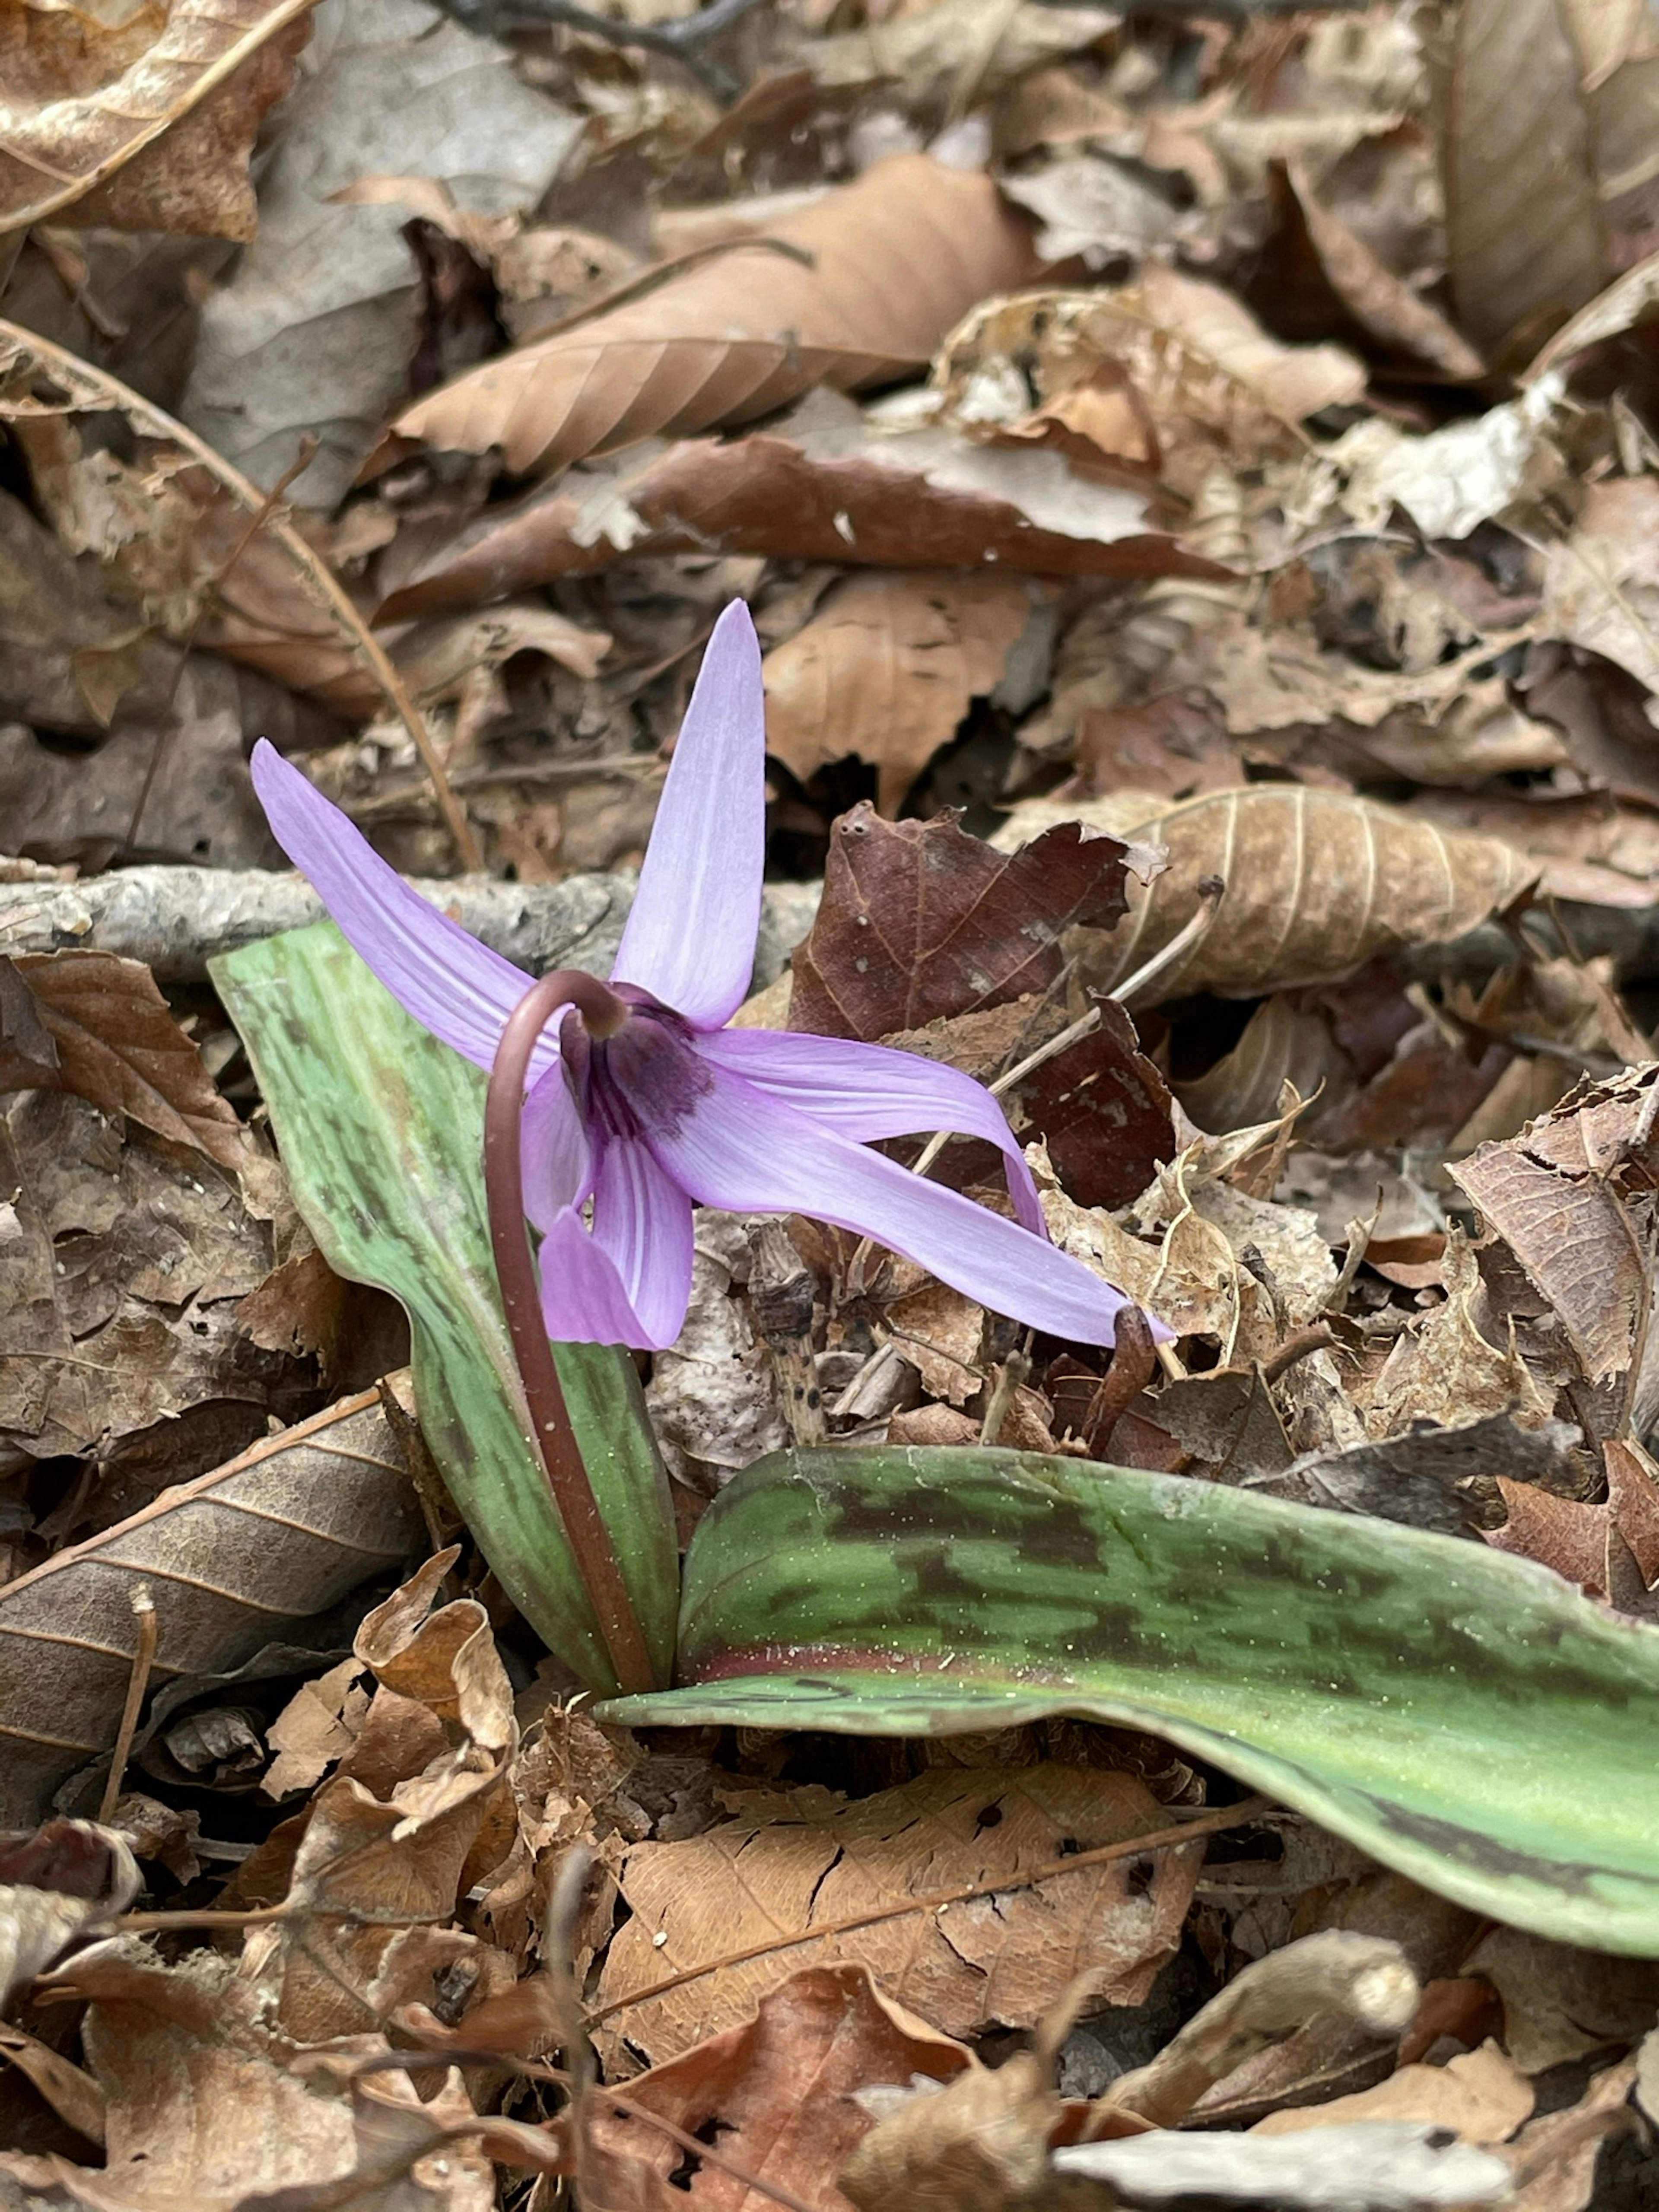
515,1266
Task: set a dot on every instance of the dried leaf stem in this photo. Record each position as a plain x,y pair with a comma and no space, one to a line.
143,1658
89,386
550,1420
1204,1824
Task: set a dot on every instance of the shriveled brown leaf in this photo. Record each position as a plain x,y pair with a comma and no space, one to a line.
886,668
1384,303
895,259
115,1043
1560,2003
1555,2157
1317,883
918,920
1160,376
1103,1110
1000,1958
52,1884
148,123
1367,1978
825,485
206,2107
1602,581
1524,224
1569,1197
981,2144
932,48
1482,2095
1446,1367
745,2091
123,1274
278,1535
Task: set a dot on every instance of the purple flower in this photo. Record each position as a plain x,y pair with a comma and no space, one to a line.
658,1104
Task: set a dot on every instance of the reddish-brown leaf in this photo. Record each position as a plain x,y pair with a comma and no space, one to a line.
918,920
114,1043
793,494
743,2090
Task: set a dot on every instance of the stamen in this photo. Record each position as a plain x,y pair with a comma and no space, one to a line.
603,1013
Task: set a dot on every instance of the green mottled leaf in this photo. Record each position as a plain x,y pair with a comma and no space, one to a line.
381,1133
1465,1717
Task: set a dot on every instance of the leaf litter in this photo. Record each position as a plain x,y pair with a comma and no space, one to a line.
1219,464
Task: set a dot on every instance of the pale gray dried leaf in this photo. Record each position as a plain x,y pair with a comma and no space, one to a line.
1368,2165
315,330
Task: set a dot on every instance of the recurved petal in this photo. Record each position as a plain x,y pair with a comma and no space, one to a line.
867,1090
556,1156
454,985
642,1224
736,1148
691,935
583,1299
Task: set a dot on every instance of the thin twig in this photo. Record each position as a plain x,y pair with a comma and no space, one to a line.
1010,1374
1210,892
563,1905
1203,1824
87,386
143,1658
550,1428
1134,1363
644,280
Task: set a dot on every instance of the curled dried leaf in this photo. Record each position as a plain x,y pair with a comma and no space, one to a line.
1366,1978
145,123
1317,883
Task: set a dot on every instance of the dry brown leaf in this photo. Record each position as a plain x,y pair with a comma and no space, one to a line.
1482,2095
827,484
886,669
116,1044
1161,377
1559,2002
279,1534
992,1959
895,258
376,1876
205,2106
141,122
1555,2158
1602,580
1317,883
52,1884
1446,1368
1366,1978
1524,223
918,919
933,48
745,2091
1384,303
1570,1197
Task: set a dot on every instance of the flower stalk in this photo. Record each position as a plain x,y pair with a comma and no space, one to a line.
550,1427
